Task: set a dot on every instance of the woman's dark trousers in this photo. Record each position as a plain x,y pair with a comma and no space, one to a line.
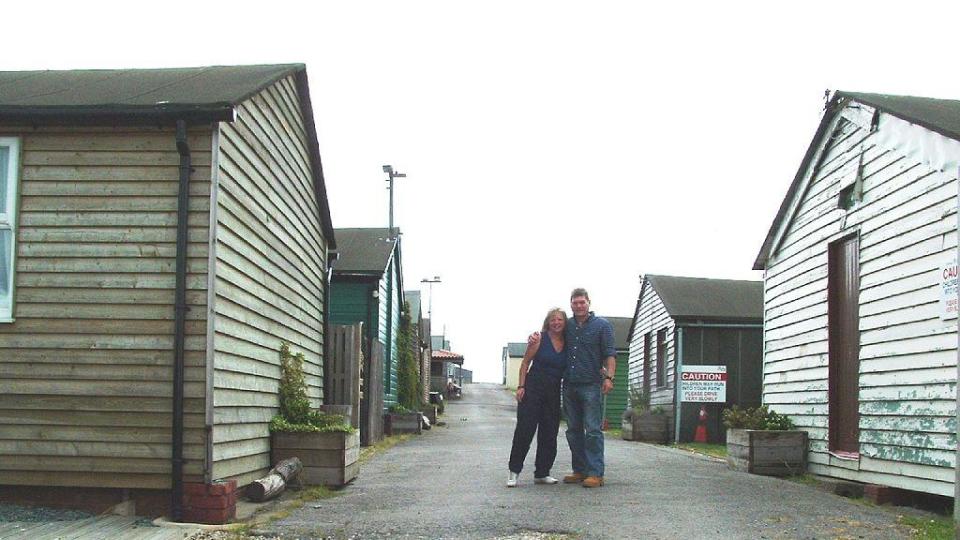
538,412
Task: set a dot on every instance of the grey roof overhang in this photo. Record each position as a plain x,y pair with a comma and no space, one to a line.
118,115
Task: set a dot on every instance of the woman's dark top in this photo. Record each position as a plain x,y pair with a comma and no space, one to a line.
549,362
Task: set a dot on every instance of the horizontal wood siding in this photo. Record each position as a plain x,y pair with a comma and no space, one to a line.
907,227
86,368
391,375
616,400
270,280
651,317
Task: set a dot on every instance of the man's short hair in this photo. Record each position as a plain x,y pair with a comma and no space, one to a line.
580,291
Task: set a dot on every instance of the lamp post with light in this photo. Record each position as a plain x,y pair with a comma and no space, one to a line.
430,282
391,174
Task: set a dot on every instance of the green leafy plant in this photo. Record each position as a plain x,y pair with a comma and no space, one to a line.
295,412
409,386
639,399
399,409
760,418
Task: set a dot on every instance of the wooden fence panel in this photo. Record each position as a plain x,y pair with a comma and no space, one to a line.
344,362
371,405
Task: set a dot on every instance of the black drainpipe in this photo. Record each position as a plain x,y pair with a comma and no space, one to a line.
180,316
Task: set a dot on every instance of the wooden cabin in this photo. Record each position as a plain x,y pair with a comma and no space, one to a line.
860,293
615,402
367,287
684,321
512,356
128,193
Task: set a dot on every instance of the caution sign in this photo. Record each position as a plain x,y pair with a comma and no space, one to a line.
703,384
948,289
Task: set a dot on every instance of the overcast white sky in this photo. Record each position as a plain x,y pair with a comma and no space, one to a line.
548,145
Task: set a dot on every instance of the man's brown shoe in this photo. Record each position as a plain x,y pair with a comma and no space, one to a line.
592,481
574,478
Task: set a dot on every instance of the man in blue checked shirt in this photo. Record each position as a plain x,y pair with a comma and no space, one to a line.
591,365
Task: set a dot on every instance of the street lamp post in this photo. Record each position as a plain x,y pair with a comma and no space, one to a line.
391,174
430,282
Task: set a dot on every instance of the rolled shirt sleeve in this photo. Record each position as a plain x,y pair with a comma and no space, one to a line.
606,340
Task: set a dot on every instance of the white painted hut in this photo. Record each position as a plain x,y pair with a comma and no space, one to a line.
860,338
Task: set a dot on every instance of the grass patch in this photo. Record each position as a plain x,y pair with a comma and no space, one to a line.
938,528
805,479
614,433
315,493
387,443
707,449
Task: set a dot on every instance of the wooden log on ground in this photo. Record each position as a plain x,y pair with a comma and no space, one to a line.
276,480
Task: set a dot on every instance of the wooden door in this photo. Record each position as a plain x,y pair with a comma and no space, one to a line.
844,345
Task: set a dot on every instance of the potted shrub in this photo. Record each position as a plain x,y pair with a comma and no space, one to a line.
326,444
760,441
642,422
400,419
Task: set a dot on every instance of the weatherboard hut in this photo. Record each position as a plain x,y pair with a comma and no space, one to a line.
684,324
162,233
860,293
367,287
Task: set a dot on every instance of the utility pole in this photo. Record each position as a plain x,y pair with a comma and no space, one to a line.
391,174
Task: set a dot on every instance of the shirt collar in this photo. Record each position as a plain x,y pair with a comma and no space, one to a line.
585,321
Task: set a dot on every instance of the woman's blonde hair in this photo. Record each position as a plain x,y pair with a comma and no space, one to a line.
550,314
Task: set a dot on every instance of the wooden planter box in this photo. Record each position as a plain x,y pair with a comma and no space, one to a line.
328,459
770,453
397,423
645,427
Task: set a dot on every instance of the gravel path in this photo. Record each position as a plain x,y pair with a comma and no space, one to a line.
449,483
37,514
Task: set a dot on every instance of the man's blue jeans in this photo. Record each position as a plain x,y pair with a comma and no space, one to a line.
583,405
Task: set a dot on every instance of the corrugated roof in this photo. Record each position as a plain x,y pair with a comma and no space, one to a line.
711,299
364,251
938,115
442,355
196,93
621,331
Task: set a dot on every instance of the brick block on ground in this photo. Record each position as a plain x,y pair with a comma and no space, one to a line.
851,490
210,516
214,503
880,494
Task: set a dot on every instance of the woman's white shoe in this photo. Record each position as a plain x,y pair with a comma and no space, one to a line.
545,480
512,479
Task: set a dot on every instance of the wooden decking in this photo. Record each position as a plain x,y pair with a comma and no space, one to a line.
95,528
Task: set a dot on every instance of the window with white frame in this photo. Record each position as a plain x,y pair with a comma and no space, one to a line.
9,156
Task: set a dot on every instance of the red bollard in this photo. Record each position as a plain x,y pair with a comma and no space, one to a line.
700,435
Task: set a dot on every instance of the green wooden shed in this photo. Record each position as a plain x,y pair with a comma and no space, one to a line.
367,287
616,400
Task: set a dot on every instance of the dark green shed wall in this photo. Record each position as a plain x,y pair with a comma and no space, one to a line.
617,398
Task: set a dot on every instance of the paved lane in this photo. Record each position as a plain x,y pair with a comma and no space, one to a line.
449,483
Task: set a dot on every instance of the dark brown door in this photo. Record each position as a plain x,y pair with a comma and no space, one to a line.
844,346
646,363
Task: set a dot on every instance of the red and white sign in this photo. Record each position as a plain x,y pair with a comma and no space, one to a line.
948,289
703,384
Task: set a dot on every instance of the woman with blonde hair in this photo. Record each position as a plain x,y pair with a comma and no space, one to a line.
538,401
